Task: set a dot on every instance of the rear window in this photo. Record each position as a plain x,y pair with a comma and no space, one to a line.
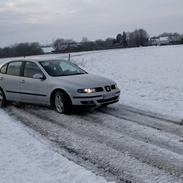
3,69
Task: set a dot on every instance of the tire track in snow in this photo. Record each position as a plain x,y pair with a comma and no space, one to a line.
105,141
166,125
119,140
137,131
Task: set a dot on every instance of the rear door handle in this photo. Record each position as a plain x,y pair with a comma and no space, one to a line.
1,78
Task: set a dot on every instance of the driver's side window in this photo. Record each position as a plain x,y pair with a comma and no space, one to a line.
31,69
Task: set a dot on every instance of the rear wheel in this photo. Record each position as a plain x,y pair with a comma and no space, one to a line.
2,99
62,103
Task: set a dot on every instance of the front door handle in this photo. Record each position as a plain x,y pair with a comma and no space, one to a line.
23,81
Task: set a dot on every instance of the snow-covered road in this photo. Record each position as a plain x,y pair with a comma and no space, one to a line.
26,158
128,145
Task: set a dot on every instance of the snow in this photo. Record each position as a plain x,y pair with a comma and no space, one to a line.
149,78
104,140
48,49
25,158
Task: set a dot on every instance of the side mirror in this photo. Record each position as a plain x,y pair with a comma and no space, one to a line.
39,76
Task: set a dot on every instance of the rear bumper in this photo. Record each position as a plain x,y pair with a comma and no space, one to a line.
97,99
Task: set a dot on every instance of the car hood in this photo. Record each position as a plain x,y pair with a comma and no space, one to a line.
86,81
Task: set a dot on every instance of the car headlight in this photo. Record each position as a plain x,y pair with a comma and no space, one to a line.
87,90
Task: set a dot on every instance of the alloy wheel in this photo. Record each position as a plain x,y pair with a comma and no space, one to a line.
59,103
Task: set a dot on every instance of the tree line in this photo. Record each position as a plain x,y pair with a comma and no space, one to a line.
21,49
136,38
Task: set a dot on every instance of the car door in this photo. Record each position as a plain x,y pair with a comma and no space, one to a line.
10,80
34,90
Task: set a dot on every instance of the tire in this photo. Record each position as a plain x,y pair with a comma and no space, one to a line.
2,99
62,103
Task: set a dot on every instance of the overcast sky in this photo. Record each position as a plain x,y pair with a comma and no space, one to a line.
45,20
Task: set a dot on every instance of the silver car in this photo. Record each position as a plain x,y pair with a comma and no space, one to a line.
56,83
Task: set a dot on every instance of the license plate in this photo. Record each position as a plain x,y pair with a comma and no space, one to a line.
109,95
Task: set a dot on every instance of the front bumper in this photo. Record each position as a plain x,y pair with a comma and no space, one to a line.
97,99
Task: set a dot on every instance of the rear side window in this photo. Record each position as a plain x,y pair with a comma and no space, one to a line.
14,68
3,69
31,69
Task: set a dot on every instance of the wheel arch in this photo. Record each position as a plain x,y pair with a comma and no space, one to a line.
52,102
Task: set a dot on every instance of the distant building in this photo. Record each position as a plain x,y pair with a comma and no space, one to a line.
63,45
154,41
166,39
176,38
47,49
162,40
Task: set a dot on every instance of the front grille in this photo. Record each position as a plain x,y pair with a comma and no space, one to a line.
99,89
108,88
113,87
107,100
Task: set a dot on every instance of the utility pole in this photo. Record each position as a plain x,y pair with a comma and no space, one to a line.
69,49
69,58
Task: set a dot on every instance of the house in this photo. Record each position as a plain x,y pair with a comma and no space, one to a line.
154,41
162,40
62,45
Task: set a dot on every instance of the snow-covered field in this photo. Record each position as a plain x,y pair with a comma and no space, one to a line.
150,78
26,158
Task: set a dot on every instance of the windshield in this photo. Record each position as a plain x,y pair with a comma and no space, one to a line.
61,68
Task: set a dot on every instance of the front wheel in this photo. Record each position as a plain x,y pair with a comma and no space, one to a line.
62,103
2,99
